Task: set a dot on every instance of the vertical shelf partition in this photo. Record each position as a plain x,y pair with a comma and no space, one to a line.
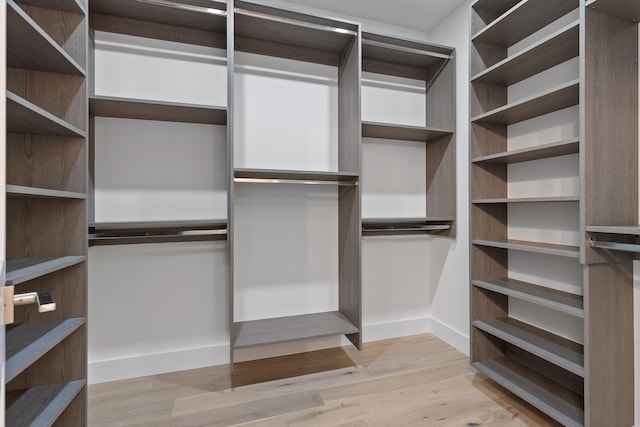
46,156
280,33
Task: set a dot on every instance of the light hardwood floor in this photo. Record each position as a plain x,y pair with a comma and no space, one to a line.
412,381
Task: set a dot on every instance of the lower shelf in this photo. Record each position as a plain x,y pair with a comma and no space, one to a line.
41,406
554,400
291,328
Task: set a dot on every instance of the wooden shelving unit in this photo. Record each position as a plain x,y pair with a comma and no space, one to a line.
435,65
46,157
573,383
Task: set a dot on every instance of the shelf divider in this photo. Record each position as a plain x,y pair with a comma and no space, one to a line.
41,406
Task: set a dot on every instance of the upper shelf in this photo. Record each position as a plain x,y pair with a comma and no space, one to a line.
522,20
71,6
402,132
25,117
206,15
22,270
560,46
538,152
554,99
629,230
128,108
626,9
32,48
276,176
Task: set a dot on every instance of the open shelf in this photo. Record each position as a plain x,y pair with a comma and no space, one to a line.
555,49
522,20
36,50
629,10
380,226
41,406
123,233
30,341
25,117
557,98
554,349
527,200
23,270
276,176
545,297
556,401
127,108
402,132
291,328
71,6
536,247
629,230
539,152
22,191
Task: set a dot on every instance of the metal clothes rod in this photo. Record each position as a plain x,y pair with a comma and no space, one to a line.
143,234
626,247
191,8
293,181
295,22
406,49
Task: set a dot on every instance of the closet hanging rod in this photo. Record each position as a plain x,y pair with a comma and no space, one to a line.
406,49
626,247
295,22
293,181
156,233
424,228
189,7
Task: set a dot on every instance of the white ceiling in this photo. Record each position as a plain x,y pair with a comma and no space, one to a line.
420,15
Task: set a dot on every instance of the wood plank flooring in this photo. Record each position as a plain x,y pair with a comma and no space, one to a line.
411,381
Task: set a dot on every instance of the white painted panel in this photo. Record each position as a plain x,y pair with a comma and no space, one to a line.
557,126
286,250
561,324
563,274
394,182
390,99
545,222
286,114
151,171
546,31
137,67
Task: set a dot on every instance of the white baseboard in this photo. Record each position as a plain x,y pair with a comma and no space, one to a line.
153,364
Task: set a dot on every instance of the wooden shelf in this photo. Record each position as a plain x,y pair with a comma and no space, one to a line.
388,226
71,6
550,51
402,132
127,108
554,99
625,9
276,176
23,270
20,191
628,230
30,341
545,297
36,50
157,226
541,248
554,349
522,20
545,151
551,398
41,406
101,234
25,117
527,200
284,329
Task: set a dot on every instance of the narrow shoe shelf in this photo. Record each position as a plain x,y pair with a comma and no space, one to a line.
402,132
291,328
30,341
561,352
551,398
522,20
128,108
23,270
545,297
557,98
36,50
277,176
536,247
26,117
548,52
19,191
43,405
122,233
514,200
625,9
539,152
71,6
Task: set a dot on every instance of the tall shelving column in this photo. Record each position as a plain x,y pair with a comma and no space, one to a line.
46,157
541,367
279,33
435,65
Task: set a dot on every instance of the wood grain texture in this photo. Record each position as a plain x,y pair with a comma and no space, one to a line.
20,191
389,69
486,97
626,9
276,174
441,96
402,132
25,117
23,270
536,247
543,151
280,50
72,6
441,177
43,405
484,56
486,11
